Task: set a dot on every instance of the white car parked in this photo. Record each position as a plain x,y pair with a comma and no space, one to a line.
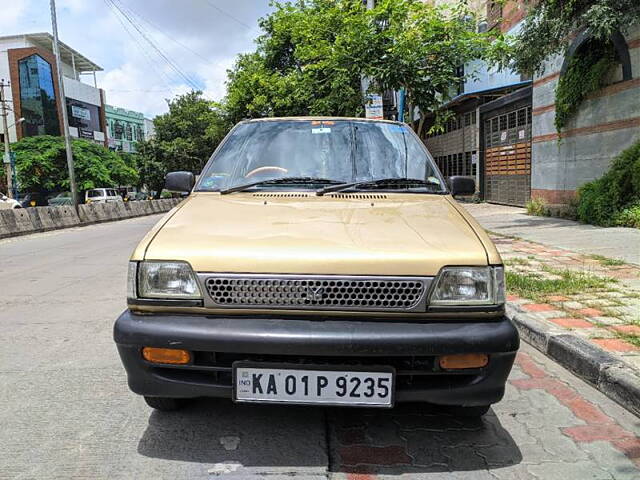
6,202
102,195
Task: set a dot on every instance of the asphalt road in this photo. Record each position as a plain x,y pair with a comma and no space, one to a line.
66,412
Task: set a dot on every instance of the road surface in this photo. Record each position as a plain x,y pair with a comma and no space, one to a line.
66,412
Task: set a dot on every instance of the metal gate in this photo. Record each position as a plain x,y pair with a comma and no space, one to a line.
507,160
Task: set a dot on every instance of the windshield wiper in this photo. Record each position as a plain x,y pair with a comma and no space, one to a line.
393,182
280,181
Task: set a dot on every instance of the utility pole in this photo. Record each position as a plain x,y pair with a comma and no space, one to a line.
4,112
63,102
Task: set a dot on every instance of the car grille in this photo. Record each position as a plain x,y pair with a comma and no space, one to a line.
318,292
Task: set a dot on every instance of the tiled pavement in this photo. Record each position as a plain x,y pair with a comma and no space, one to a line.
545,428
607,316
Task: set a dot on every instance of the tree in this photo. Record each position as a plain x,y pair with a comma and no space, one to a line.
185,138
551,23
153,164
295,69
313,54
189,132
41,165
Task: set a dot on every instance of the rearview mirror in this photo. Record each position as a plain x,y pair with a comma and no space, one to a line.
462,186
179,182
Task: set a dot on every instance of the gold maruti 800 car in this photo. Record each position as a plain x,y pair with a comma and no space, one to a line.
318,261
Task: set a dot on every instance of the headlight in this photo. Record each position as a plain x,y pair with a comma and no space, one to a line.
170,280
469,286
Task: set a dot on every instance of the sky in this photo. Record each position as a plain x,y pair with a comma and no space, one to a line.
201,38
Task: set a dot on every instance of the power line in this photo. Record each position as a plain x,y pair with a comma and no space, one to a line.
160,30
142,90
213,5
171,64
165,79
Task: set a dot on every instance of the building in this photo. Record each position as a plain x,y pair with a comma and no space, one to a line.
606,123
503,130
489,134
124,128
28,63
149,129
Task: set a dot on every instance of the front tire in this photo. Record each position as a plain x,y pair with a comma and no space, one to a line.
469,412
165,404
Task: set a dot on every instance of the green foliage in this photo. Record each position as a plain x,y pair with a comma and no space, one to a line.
313,54
587,73
538,207
607,261
568,282
41,165
628,217
551,23
613,198
190,130
185,138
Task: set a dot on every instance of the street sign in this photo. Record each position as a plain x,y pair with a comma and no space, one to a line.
373,106
6,158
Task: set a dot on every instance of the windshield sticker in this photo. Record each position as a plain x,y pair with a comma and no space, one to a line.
433,180
320,130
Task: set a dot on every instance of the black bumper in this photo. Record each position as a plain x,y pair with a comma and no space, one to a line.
412,348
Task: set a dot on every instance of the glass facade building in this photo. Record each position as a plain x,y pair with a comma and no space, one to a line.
37,97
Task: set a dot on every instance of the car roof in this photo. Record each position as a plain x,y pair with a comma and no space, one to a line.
321,118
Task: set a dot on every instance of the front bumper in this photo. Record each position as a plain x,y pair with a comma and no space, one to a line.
411,348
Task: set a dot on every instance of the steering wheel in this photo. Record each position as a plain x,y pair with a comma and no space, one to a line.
265,169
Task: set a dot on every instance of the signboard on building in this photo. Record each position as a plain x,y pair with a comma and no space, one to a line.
85,133
81,112
373,106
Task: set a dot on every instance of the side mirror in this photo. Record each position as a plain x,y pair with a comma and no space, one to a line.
179,182
462,186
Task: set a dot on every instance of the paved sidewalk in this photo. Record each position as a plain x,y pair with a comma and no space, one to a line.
577,305
587,296
544,428
618,242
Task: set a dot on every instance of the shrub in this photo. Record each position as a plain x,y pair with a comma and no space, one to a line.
601,201
628,217
538,207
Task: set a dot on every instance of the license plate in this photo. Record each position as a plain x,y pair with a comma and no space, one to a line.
261,384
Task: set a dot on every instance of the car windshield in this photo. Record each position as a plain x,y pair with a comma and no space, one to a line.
330,151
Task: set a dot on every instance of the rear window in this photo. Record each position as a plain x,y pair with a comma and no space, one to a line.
95,193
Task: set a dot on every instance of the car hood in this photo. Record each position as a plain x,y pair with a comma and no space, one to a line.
355,234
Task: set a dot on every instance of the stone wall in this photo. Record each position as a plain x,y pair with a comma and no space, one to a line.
606,123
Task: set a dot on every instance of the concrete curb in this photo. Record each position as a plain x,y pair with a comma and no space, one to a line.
604,371
23,221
